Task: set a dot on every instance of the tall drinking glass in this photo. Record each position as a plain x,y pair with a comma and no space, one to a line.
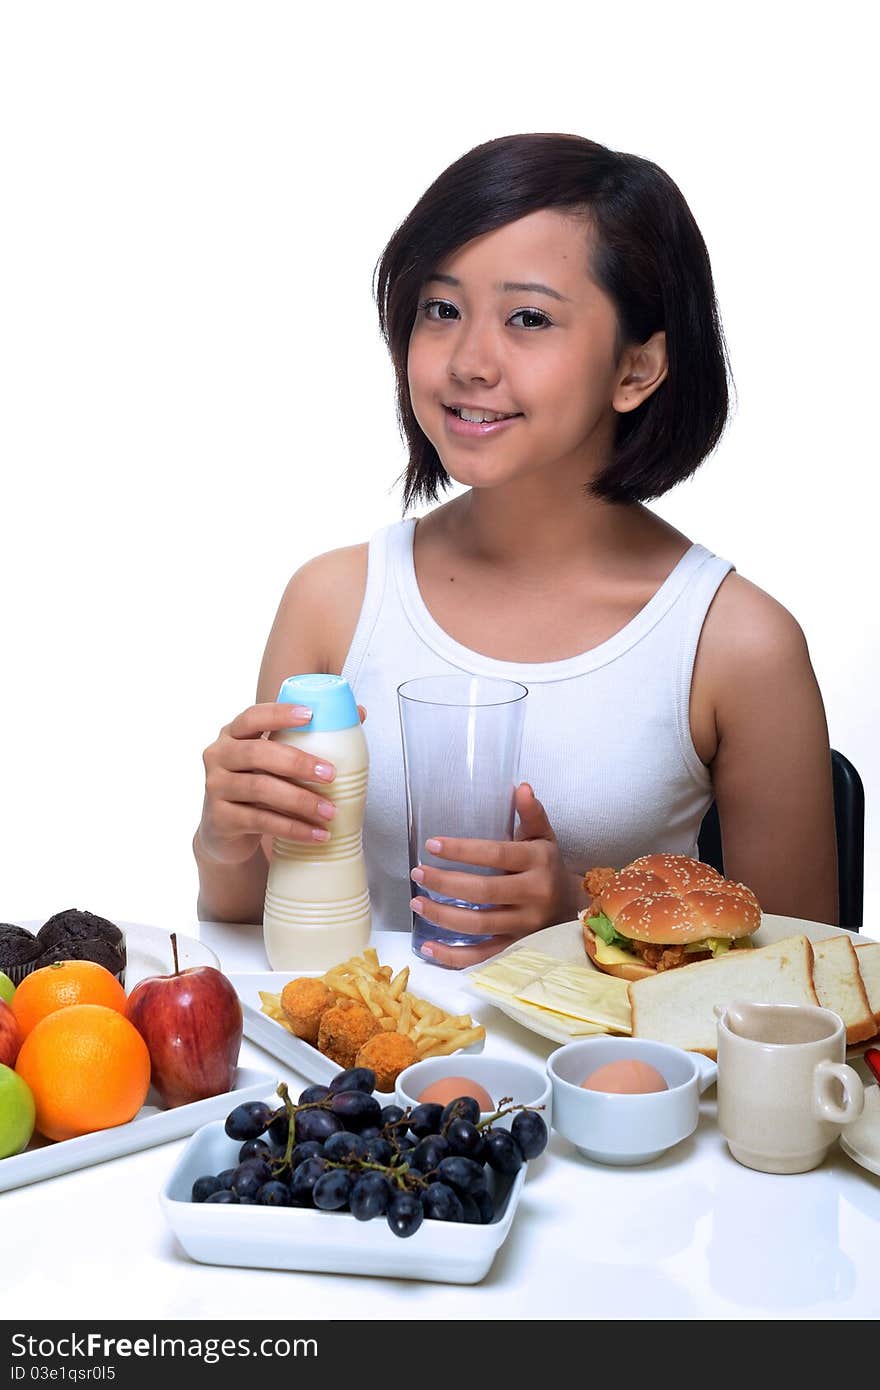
461,746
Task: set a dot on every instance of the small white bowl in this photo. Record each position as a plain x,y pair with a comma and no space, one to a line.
497,1075
626,1129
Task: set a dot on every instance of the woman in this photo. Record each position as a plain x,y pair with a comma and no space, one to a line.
566,286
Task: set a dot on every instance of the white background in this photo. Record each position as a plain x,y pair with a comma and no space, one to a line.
196,397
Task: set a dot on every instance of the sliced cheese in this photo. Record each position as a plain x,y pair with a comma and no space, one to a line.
577,999
508,973
612,955
581,993
574,1027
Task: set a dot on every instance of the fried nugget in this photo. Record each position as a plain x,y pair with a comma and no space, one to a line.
343,1029
387,1054
304,1001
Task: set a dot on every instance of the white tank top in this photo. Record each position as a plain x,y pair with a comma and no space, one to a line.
606,744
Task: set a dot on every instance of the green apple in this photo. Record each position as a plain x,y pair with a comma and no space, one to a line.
17,1113
7,988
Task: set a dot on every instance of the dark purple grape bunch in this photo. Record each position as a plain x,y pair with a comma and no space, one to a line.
338,1149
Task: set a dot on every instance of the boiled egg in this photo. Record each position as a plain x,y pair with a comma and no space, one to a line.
629,1077
451,1087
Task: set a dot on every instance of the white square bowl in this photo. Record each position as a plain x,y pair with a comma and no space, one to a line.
330,1242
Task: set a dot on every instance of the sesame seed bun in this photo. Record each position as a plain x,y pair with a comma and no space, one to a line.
678,871
670,900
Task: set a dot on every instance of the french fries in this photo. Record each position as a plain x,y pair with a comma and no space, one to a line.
434,1032
271,1004
362,978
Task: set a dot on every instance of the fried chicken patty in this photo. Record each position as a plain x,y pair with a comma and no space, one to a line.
665,957
595,883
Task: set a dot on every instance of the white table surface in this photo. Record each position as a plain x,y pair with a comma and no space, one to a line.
691,1235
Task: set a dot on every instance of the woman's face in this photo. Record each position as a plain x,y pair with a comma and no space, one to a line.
547,357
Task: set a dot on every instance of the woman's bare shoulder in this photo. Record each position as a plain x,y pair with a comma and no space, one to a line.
749,642
771,766
322,601
746,626
345,566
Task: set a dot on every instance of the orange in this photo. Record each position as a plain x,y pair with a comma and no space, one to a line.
61,984
88,1068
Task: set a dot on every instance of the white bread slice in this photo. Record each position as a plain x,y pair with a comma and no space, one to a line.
868,957
839,986
678,1006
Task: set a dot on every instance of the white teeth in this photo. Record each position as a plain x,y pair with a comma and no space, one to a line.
477,417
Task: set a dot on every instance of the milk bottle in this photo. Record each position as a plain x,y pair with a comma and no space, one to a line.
317,908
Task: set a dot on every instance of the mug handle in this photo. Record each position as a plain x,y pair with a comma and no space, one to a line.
826,1077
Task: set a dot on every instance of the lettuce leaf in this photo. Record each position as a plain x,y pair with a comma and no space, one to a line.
604,928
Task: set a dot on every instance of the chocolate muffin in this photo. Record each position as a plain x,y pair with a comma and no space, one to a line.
75,934
97,950
73,925
19,948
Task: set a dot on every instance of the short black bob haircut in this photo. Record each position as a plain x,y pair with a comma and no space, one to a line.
649,257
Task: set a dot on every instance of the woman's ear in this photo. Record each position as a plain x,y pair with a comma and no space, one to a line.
642,368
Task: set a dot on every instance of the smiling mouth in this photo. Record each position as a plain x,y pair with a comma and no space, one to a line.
454,410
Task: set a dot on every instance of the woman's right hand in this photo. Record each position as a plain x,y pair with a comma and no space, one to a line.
253,785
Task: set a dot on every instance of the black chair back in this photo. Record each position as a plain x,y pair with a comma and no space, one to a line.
849,819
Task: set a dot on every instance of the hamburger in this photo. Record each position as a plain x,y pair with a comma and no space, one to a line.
662,911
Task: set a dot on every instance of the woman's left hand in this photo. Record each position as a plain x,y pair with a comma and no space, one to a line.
535,889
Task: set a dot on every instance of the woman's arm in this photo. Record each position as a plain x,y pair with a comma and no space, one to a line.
771,769
321,595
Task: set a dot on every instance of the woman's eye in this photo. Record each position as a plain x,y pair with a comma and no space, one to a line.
441,304
533,314
434,304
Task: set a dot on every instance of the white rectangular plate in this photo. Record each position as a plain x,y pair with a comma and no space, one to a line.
304,1059
151,1125
328,1241
566,942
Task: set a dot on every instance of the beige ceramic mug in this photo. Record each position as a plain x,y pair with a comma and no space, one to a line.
784,1092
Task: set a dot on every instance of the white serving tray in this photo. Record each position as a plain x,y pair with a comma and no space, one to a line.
151,1125
330,1242
301,1056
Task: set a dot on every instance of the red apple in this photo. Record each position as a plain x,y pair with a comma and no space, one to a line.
191,1022
10,1035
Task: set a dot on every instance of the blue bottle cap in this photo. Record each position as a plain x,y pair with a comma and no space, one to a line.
330,699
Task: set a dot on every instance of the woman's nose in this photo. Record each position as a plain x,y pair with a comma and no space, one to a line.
474,353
